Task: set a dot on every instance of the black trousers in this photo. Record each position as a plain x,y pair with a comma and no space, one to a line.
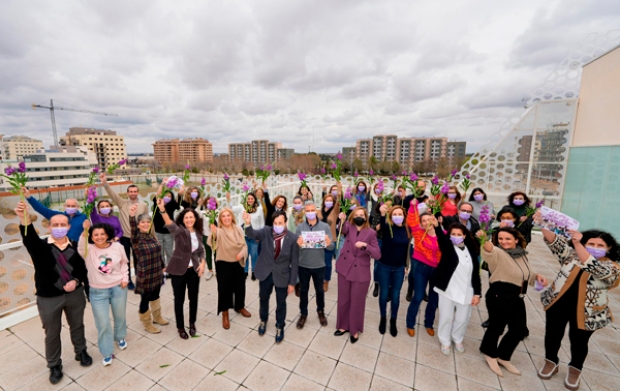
126,242
230,286
147,297
505,308
50,312
190,282
318,277
558,316
266,287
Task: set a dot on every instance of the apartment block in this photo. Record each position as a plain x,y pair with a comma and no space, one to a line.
258,152
408,150
194,150
108,146
16,147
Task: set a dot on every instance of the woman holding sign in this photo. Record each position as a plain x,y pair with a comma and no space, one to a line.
578,296
353,267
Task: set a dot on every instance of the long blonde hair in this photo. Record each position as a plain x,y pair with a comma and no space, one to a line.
219,217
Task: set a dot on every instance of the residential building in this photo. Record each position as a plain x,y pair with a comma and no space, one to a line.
108,146
67,166
194,150
348,154
409,150
15,147
258,152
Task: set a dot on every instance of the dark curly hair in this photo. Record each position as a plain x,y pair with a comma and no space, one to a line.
614,251
512,196
197,224
107,228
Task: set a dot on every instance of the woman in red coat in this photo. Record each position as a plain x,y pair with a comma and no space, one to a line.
353,267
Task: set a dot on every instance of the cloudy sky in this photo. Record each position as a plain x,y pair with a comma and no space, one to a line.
234,71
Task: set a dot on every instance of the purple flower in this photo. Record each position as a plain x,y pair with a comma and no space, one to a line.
188,167
302,176
9,171
339,156
172,182
454,172
371,172
261,167
413,177
91,194
212,204
226,177
393,177
445,188
405,173
467,176
323,171
540,203
246,188
268,167
96,169
122,162
348,194
334,166
356,174
435,180
203,182
22,167
484,217
380,185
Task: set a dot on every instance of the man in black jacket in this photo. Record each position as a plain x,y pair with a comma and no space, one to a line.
464,217
60,276
276,266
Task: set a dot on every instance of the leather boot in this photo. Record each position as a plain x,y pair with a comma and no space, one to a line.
156,311
382,324
393,328
225,320
145,318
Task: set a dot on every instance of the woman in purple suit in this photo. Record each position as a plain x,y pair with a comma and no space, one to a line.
353,269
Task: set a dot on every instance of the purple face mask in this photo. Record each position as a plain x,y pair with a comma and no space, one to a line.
398,220
479,197
464,215
167,199
278,229
508,223
335,193
377,191
194,195
328,204
518,202
451,196
361,188
297,207
311,215
596,252
59,232
70,210
456,240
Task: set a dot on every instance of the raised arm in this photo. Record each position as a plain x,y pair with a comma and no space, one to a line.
113,195
413,216
83,242
442,239
39,207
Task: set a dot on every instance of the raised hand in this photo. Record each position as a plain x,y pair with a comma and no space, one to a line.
328,241
86,225
103,178
133,209
26,192
21,209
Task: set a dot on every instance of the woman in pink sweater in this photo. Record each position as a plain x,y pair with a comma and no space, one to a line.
108,277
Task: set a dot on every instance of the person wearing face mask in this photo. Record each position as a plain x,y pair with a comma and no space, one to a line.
150,268
296,215
206,230
457,282
519,202
400,193
305,193
231,255
406,202
375,223
102,214
353,269
426,255
589,268
511,275
76,218
508,217
450,202
186,265
123,205
312,265
390,268
60,278
478,199
258,222
329,215
276,267
333,190
464,216
189,198
107,266
361,194
161,232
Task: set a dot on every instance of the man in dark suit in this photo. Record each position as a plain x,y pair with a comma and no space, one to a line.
464,217
276,267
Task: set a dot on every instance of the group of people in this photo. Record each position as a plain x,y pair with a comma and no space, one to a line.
439,255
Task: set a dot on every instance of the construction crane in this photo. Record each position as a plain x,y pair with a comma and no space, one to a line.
52,108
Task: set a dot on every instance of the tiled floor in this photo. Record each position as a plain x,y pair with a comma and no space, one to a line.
308,359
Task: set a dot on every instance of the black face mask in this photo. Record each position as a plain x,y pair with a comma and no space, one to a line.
359,221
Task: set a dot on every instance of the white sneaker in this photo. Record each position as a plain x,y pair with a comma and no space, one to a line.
108,361
122,344
459,347
445,350
209,275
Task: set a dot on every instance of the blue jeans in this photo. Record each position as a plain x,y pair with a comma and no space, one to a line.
252,253
328,264
390,279
100,301
340,245
421,277
374,270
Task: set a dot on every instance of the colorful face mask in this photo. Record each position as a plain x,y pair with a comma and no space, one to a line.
398,220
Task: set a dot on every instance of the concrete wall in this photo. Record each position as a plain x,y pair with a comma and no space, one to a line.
598,115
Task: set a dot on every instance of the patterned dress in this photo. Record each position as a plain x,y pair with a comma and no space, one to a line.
149,262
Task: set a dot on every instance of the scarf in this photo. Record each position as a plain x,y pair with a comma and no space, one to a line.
325,215
516,252
277,239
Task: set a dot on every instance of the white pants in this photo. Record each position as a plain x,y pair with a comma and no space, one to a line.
453,321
